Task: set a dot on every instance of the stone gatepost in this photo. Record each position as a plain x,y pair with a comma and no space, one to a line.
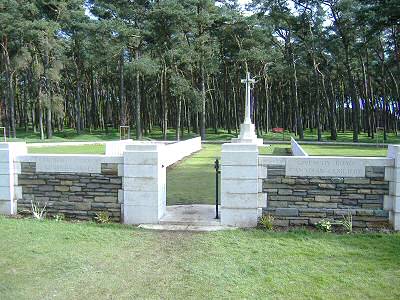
239,185
392,202
9,190
144,184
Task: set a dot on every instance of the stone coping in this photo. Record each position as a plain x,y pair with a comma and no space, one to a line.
368,161
40,145
72,163
102,158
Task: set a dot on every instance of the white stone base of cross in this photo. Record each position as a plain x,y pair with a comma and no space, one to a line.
248,135
247,129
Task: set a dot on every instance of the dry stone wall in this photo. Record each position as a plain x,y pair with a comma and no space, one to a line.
76,195
305,200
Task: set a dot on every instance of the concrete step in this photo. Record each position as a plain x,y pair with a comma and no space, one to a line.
172,227
211,222
189,217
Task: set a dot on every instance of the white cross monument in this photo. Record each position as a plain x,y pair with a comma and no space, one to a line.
247,129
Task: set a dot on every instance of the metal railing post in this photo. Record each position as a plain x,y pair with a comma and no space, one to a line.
217,172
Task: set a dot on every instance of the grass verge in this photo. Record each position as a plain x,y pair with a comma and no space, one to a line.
48,259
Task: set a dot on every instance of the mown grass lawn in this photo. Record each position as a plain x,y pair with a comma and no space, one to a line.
193,179
81,149
48,259
214,150
334,150
70,134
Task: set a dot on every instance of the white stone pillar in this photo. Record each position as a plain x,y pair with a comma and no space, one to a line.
392,201
239,185
9,190
144,184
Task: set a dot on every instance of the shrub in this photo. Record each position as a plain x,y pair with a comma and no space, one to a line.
37,211
347,222
59,217
102,217
324,225
267,222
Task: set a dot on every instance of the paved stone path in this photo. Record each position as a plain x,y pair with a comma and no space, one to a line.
196,217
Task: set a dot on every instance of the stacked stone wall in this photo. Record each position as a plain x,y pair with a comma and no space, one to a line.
302,200
76,195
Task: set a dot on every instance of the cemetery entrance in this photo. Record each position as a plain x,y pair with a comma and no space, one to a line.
191,188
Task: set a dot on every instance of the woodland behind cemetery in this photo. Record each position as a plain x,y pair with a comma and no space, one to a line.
328,65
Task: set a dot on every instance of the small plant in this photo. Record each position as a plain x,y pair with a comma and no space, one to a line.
102,217
59,217
37,211
267,222
324,225
347,222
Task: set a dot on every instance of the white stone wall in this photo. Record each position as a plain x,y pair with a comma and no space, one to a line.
143,167
176,151
392,201
297,150
117,148
141,164
9,190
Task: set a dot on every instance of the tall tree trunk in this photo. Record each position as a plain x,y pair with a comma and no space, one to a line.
78,121
164,101
267,121
354,98
351,88
122,98
178,119
40,109
49,120
203,103
10,89
47,92
299,121
332,113
228,106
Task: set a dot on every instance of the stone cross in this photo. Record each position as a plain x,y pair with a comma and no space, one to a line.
248,81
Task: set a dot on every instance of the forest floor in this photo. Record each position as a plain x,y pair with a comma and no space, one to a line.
65,260
69,135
